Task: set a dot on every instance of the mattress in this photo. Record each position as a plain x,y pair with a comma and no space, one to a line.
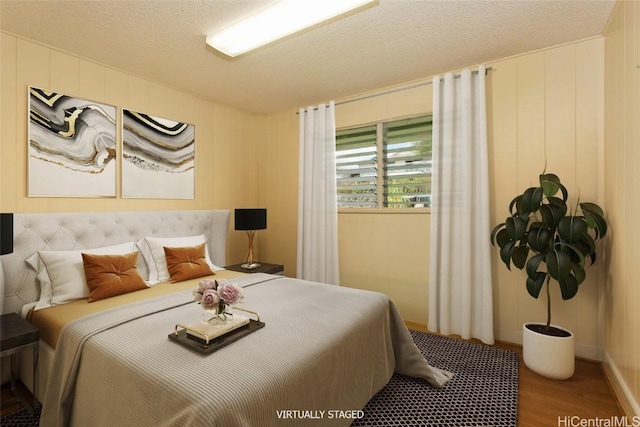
323,348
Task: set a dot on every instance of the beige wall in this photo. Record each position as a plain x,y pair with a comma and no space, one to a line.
547,106
543,103
278,189
622,167
226,172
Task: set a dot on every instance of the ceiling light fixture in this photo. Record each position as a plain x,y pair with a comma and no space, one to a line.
278,20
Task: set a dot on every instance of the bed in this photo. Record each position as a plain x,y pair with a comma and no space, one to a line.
323,353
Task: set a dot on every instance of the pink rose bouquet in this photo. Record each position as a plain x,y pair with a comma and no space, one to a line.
210,299
229,292
217,294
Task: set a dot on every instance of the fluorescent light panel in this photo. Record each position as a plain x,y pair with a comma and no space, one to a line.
277,21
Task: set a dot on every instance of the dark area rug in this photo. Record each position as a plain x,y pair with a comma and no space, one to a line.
22,418
484,391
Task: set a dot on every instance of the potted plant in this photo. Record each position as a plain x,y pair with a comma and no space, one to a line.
551,241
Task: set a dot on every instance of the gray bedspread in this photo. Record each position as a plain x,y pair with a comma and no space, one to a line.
325,350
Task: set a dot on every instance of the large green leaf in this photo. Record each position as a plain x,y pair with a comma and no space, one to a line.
568,287
558,265
494,231
579,273
515,202
516,227
539,238
525,217
531,199
550,184
577,253
595,218
572,251
555,201
571,228
565,193
592,207
505,253
519,256
587,245
532,265
551,215
534,285
502,238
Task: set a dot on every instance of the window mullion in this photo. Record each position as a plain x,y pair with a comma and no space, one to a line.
380,163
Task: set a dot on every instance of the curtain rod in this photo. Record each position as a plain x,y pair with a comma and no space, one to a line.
399,89
403,88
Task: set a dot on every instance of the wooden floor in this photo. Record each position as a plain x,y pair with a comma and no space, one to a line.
541,402
9,402
545,402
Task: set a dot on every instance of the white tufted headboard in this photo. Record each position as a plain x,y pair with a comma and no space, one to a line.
72,231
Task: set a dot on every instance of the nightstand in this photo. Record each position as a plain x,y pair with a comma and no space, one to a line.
18,335
264,268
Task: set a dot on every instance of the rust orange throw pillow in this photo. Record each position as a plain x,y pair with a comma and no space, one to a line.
111,275
187,263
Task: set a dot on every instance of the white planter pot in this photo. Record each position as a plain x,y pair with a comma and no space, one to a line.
547,355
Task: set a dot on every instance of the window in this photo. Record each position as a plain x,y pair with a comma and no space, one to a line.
385,164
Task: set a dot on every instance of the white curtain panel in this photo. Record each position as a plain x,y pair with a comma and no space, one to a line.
460,286
317,198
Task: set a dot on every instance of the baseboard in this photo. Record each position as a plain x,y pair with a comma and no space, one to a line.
416,326
583,351
620,390
421,327
588,352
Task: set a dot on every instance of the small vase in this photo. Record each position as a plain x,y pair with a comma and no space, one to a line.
224,313
209,315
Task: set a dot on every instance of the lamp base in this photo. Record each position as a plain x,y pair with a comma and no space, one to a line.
250,265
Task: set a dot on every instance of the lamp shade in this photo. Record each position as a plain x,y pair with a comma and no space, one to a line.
6,233
251,219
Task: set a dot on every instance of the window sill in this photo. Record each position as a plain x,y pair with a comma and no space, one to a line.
376,211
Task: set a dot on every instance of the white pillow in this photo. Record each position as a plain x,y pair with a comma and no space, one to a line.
143,266
61,273
152,250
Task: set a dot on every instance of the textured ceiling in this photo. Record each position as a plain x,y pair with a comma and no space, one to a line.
394,42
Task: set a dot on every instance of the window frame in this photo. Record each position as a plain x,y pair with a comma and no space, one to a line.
381,209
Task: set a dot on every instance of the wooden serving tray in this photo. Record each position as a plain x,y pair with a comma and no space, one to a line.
194,343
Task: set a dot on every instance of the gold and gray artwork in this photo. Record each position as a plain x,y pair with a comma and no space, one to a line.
73,151
158,157
72,146
74,133
157,144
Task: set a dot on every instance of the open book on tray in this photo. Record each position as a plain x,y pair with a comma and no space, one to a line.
207,337
207,331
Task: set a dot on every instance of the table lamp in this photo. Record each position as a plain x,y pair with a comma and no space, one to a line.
250,220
